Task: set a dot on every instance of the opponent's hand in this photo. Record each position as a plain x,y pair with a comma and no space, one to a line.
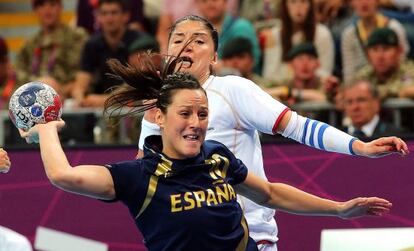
381,147
32,135
359,207
5,163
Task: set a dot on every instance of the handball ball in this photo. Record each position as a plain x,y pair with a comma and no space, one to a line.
34,103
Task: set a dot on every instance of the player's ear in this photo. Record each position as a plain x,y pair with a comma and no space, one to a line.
159,118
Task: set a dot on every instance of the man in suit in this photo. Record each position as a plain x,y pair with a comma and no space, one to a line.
362,106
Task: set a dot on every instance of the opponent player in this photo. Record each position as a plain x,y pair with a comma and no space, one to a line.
239,109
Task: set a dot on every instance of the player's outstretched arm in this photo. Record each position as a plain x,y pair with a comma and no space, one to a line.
292,200
89,180
325,137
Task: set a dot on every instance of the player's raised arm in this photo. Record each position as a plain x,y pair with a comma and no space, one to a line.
89,180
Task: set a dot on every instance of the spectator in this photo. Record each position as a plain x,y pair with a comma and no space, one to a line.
362,106
306,85
143,44
229,27
111,42
238,55
298,24
392,76
52,55
7,76
85,14
355,36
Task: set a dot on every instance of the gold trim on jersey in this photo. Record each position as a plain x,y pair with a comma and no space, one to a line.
219,166
163,169
243,242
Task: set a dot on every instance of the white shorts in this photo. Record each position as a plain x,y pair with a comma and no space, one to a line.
267,247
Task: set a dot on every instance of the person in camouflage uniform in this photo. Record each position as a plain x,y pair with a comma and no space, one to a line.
53,54
392,76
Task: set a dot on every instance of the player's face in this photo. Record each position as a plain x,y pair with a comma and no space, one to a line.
49,14
360,106
184,125
298,10
200,52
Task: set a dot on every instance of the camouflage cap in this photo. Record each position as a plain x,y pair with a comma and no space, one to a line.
382,36
142,44
302,48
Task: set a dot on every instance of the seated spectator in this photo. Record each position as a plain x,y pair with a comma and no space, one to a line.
112,41
306,85
355,36
228,26
362,107
392,76
237,57
298,25
7,76
52,55
399,4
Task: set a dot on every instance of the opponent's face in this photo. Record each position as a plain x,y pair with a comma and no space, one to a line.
359,104
111,18
199,54
49,14
298,10
184,125
384,58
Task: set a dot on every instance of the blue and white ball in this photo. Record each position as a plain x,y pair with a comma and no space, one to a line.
34,103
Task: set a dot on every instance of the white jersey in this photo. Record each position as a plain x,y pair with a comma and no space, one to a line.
238,109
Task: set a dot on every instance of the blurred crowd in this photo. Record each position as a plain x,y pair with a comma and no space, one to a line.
352,54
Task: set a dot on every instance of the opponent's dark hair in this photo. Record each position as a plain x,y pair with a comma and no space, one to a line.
147,85
205,22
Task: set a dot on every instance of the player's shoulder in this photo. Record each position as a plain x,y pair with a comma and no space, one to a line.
231,82
211,147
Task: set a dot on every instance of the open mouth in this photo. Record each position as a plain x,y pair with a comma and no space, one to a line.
185,61
191,137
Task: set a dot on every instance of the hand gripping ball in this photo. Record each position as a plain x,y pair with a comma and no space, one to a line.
34,103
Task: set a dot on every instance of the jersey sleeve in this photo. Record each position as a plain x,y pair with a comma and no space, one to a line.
147,129
130,181
255,108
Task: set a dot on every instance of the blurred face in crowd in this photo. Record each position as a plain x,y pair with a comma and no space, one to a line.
184,124
212,10
298,10
359,104
365,8
111,18
304,66
199,56
384,58
49,14
243,63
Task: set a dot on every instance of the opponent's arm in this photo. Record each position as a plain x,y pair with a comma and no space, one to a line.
89,180
325,137
292,200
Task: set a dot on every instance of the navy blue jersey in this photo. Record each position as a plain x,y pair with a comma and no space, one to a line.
185,204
